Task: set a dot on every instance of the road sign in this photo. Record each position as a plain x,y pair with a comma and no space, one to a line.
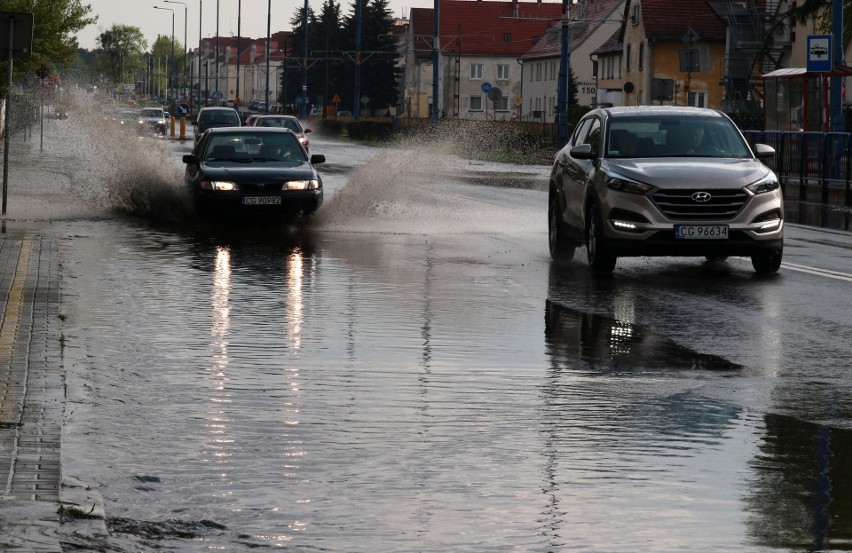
336,99
22,34
819,53
518,100
486,87
365,99
217,95
183,110
495,94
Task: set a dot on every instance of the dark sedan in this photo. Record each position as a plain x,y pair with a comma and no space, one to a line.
253,171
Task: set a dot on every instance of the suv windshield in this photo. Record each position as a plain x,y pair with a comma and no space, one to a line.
660,136
152,113
219,116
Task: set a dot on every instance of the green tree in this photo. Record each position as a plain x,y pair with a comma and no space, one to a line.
293,74
378,55
55,24
119,57
163,65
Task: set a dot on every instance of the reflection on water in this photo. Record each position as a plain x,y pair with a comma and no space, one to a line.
579,340
800,494
822,215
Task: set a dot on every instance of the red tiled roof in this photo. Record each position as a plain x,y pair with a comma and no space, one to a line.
473,27
597,14
670,19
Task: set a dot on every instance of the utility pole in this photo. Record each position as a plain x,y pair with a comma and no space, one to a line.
564,69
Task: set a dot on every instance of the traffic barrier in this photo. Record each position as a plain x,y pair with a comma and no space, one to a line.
172,126
183,128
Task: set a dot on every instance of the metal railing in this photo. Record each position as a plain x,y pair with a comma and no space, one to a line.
821,160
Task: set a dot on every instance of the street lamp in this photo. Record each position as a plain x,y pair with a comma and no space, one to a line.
184,36
172,64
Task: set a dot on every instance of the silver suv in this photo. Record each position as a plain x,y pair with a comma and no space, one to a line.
664,181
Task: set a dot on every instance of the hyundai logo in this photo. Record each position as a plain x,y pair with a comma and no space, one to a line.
701,197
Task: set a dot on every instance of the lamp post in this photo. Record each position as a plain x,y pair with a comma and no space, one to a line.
239,17
172,64
268,32
184,36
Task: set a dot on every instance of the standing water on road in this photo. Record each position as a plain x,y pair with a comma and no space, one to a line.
408,372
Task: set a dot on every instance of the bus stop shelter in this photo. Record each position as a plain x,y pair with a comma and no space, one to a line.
797,99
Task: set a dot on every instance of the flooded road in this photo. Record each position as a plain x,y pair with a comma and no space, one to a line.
409,371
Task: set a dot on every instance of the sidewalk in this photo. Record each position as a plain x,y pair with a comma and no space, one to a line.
32,386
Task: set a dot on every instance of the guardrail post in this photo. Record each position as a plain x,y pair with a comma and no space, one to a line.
183,128
172,125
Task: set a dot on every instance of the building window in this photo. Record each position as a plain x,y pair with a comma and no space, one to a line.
502,72
627,57
697,99
474,103
507,37
538,71
476,71
553,71
502,104
641,55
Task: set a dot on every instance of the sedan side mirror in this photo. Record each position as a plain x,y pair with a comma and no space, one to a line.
190,159
317,158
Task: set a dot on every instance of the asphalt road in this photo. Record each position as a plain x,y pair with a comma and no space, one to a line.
409,371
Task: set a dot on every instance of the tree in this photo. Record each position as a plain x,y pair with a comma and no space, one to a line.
55,24
119,57
163,65
378,55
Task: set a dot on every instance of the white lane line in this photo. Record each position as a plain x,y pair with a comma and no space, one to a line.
819,272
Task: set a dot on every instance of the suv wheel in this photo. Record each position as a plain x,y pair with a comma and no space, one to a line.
768,263
560,248
600,260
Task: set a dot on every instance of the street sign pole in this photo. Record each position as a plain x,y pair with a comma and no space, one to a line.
22,46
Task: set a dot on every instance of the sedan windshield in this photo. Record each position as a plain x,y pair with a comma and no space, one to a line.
283,122
249,147
661,136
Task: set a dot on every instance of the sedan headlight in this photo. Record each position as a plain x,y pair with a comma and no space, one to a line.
616,182
218,185
766,184
312,184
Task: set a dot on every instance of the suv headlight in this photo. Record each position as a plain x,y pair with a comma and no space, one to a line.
766,184
617,182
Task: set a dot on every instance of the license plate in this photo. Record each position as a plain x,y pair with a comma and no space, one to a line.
701,232
262,200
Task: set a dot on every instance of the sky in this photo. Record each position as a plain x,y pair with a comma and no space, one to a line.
153,22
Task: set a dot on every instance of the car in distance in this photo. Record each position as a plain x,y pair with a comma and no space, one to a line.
253,171
214,117
152,119
283,121
663,181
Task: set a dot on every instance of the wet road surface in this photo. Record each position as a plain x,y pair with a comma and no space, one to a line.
410,372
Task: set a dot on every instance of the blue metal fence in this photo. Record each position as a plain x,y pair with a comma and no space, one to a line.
813,160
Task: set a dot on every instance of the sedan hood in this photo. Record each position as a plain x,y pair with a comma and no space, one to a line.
690,172
258,171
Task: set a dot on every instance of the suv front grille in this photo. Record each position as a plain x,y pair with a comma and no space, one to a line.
680,205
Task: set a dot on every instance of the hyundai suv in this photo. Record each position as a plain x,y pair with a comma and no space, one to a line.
664,181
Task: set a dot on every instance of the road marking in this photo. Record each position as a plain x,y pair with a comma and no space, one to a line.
15,302
819,272
8,334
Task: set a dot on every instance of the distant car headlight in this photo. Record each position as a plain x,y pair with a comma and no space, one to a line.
141,122
312,184
766,184
616,182
303,140
219,185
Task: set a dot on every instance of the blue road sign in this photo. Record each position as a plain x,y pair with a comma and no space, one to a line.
819,53
486,87
183,109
